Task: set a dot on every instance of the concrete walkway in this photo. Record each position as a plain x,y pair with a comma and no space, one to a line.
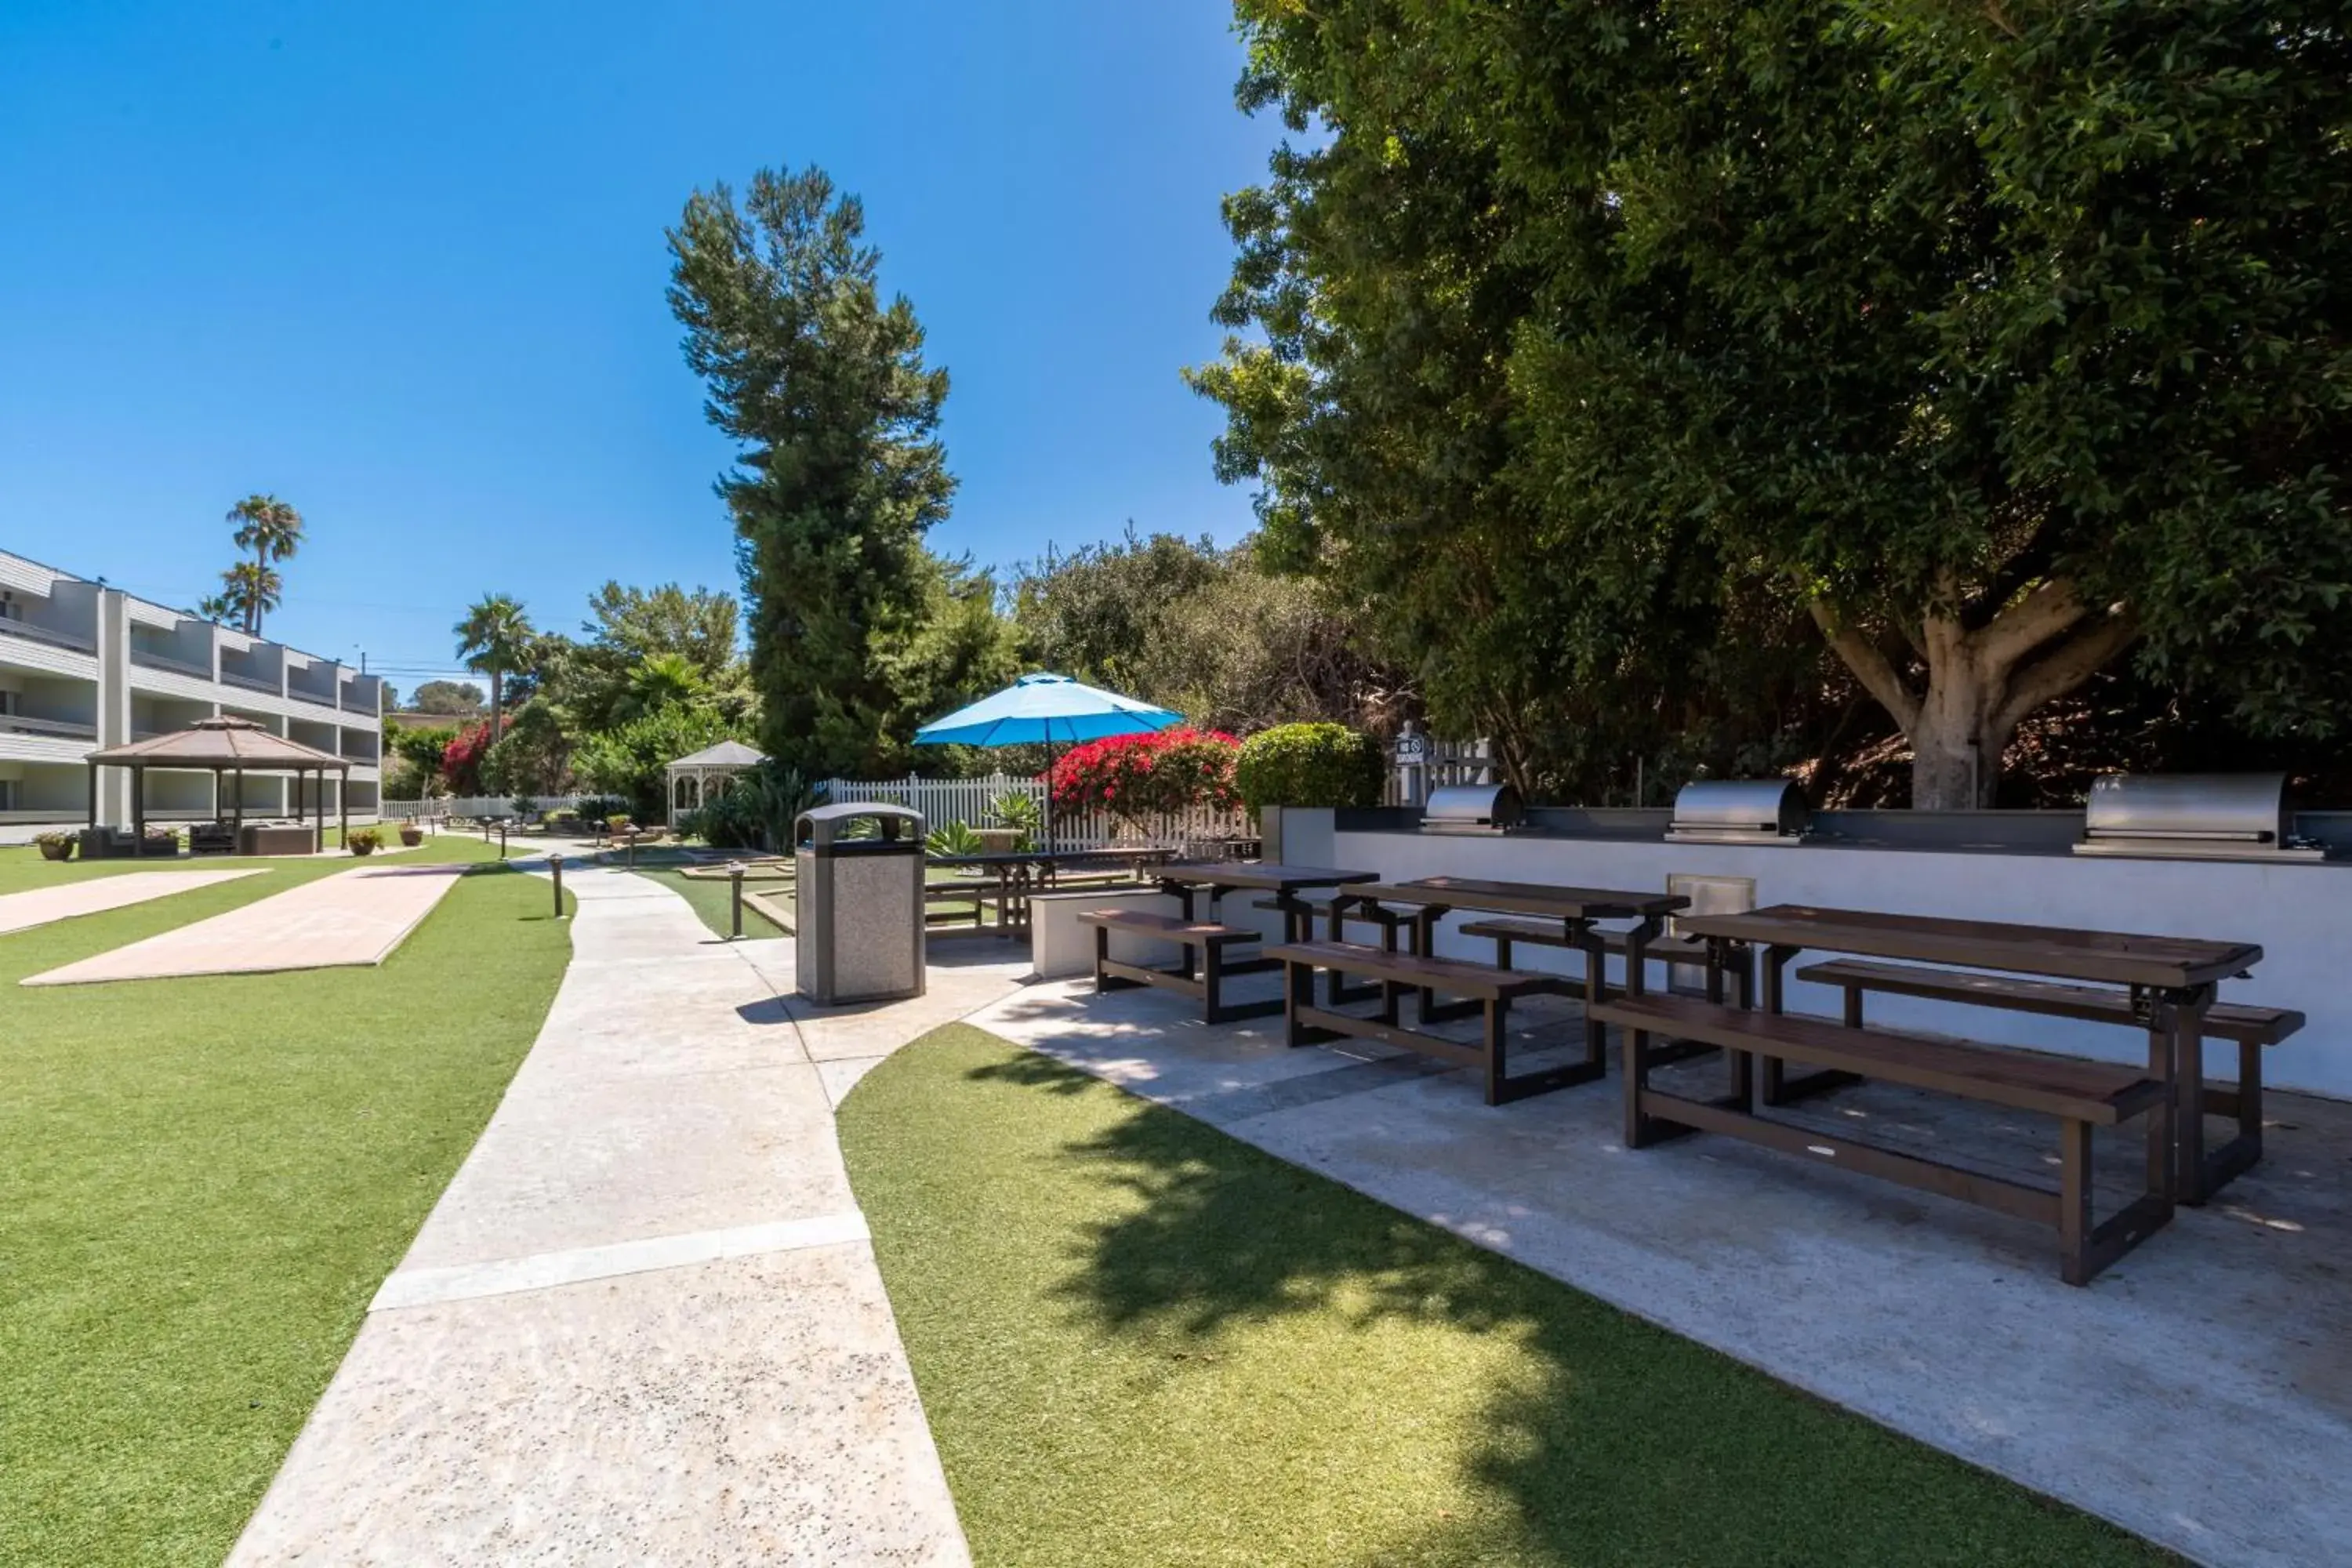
359,917
643,1324
45,906
2200,1392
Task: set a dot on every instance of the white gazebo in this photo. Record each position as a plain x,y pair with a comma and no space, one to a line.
693,780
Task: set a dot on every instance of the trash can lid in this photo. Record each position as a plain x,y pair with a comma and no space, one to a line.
819,824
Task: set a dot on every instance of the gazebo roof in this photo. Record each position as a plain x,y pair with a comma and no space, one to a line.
223,742
725,754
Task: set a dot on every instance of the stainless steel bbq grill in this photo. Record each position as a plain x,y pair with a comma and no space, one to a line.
1738,811
1473,808
2192,816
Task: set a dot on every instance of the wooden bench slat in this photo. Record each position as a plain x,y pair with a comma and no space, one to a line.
2101,1093
1551,934
1175,927
1453,975
2236,1021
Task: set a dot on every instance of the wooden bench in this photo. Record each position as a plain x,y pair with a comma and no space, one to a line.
1395,926
2080,1094
2248,1026
1503,933
1493,989
1202,979
976,890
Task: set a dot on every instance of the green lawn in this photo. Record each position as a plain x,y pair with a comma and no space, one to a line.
712,900
204,1182
1141,1341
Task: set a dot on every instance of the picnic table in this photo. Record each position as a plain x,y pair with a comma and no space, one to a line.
2167,984
1575,909
1019,872
1187,879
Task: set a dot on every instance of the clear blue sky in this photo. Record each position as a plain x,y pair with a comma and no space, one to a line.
402,265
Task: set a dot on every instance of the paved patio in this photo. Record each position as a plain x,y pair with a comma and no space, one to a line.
643,1324
95,895
359,917
2200,1392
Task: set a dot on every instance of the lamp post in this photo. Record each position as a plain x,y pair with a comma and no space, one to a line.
735,870
555,864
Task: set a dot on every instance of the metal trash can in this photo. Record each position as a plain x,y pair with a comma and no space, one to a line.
859,901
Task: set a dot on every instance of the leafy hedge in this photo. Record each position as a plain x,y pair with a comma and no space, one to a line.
1309,765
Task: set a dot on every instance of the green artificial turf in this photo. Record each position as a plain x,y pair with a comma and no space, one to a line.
712,900
204,1180
1141,1341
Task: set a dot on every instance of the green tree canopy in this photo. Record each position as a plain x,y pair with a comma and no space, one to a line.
460,698
1604,346
495,638
841,473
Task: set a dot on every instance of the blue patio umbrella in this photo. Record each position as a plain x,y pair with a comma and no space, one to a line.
1048,710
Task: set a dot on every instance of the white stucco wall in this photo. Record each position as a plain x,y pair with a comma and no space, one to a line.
2300,914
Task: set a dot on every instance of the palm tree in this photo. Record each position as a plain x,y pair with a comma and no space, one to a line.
249,590
272,529
666,679
495,638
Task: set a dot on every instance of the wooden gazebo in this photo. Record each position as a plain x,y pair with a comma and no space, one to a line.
225,745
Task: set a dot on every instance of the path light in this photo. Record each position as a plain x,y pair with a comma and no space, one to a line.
555,864
735,870
502,838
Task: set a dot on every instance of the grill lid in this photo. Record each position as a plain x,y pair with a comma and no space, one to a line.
2204,816
1738,811
1473,808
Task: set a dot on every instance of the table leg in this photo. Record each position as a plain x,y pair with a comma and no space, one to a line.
1770,1073
2181,1017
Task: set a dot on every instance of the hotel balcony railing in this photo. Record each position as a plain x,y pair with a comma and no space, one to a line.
250,682
25,724
33,633
321,698
166,661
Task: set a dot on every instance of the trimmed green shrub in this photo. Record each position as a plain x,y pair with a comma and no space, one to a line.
952,838
1309,765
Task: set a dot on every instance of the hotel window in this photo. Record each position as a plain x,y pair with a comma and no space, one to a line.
10,609
8,795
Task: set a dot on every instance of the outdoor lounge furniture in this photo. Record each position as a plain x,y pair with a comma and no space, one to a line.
277,838
2248,1027
1490,989
1204,968
211,838
2081,1095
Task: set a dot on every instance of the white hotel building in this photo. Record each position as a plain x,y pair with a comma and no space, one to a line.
83,666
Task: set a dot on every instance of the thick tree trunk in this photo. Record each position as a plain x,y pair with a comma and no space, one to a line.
1977,684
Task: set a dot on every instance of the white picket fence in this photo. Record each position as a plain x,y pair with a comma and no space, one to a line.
472,805
970,801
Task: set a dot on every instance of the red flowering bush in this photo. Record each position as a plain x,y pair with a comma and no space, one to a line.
1138,777
461,761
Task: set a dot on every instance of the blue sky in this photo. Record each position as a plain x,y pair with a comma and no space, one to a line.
402,265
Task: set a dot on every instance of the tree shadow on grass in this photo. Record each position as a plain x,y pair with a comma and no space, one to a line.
1612,1442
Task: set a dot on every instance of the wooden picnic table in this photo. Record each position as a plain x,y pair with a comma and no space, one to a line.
1186,879
2172,983
1575,908
1018,871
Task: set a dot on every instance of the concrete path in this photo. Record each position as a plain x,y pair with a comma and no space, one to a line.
2200,1392
644,1323
356,917
42,906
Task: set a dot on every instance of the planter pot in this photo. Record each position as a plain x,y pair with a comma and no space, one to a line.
363,848
58,851
998,840
411,836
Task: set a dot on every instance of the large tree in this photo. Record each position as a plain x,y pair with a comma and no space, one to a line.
495,639
272,529
1996,342
841,473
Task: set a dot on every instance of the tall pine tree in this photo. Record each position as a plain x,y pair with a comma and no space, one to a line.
840,474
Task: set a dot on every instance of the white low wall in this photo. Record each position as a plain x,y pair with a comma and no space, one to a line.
2300,914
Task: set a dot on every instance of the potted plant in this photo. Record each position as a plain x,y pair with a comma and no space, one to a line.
410,835
363,841
56,845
